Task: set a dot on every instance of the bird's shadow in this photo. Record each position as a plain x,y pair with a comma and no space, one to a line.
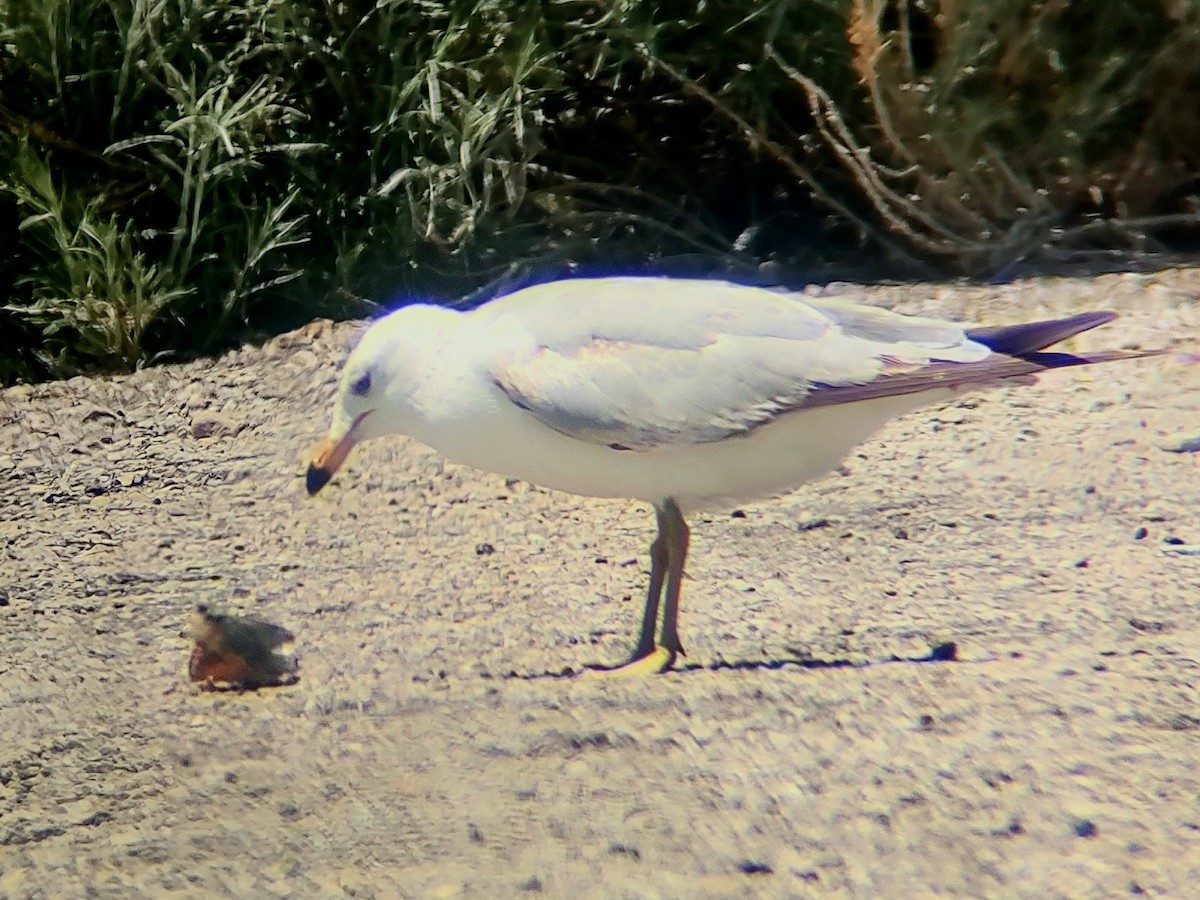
942,653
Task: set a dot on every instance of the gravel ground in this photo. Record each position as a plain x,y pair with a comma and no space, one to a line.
433,745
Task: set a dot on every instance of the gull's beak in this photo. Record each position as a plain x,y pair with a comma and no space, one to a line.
330,456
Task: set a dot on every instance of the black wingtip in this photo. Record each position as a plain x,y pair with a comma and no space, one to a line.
316,479
1030,337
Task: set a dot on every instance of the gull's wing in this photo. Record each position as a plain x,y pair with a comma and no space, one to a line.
641,363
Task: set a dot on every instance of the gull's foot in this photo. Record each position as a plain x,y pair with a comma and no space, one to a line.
657,661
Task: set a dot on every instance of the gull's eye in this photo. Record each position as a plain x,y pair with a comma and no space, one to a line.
361,386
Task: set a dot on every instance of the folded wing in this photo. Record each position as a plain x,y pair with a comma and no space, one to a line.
641,364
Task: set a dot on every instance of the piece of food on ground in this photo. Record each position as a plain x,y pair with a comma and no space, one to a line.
240,652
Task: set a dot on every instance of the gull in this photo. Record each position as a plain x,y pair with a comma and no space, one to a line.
684,394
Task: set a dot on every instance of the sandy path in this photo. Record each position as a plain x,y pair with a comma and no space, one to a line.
427,752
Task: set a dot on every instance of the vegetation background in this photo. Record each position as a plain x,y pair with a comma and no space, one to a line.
180,175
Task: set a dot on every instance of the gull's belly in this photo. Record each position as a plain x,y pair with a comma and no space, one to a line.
768,461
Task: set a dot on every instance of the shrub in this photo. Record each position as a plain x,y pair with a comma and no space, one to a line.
182,173
996,133
176,175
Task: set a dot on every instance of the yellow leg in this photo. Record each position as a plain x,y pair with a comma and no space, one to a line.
667,555
678,538
659,660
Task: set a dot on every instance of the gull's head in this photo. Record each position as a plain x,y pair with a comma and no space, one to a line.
374,397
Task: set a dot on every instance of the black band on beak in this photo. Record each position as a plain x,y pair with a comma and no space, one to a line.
317,478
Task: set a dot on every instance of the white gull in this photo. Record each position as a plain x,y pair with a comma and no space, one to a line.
681,393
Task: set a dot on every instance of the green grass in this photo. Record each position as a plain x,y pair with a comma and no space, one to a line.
180,175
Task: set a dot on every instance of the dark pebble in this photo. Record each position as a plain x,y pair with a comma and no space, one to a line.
1085,828
484,549
625,850
1150,627
1140,534
749,867
947,652
1190,445
533,885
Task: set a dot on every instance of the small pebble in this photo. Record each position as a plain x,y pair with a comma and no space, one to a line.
1182,550
208,424
1182,444
750,867
947,652
624,850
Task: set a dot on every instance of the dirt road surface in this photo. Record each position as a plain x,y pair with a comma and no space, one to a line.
433,745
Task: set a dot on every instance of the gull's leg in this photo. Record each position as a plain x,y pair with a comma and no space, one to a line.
659,559
678,536
648,658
